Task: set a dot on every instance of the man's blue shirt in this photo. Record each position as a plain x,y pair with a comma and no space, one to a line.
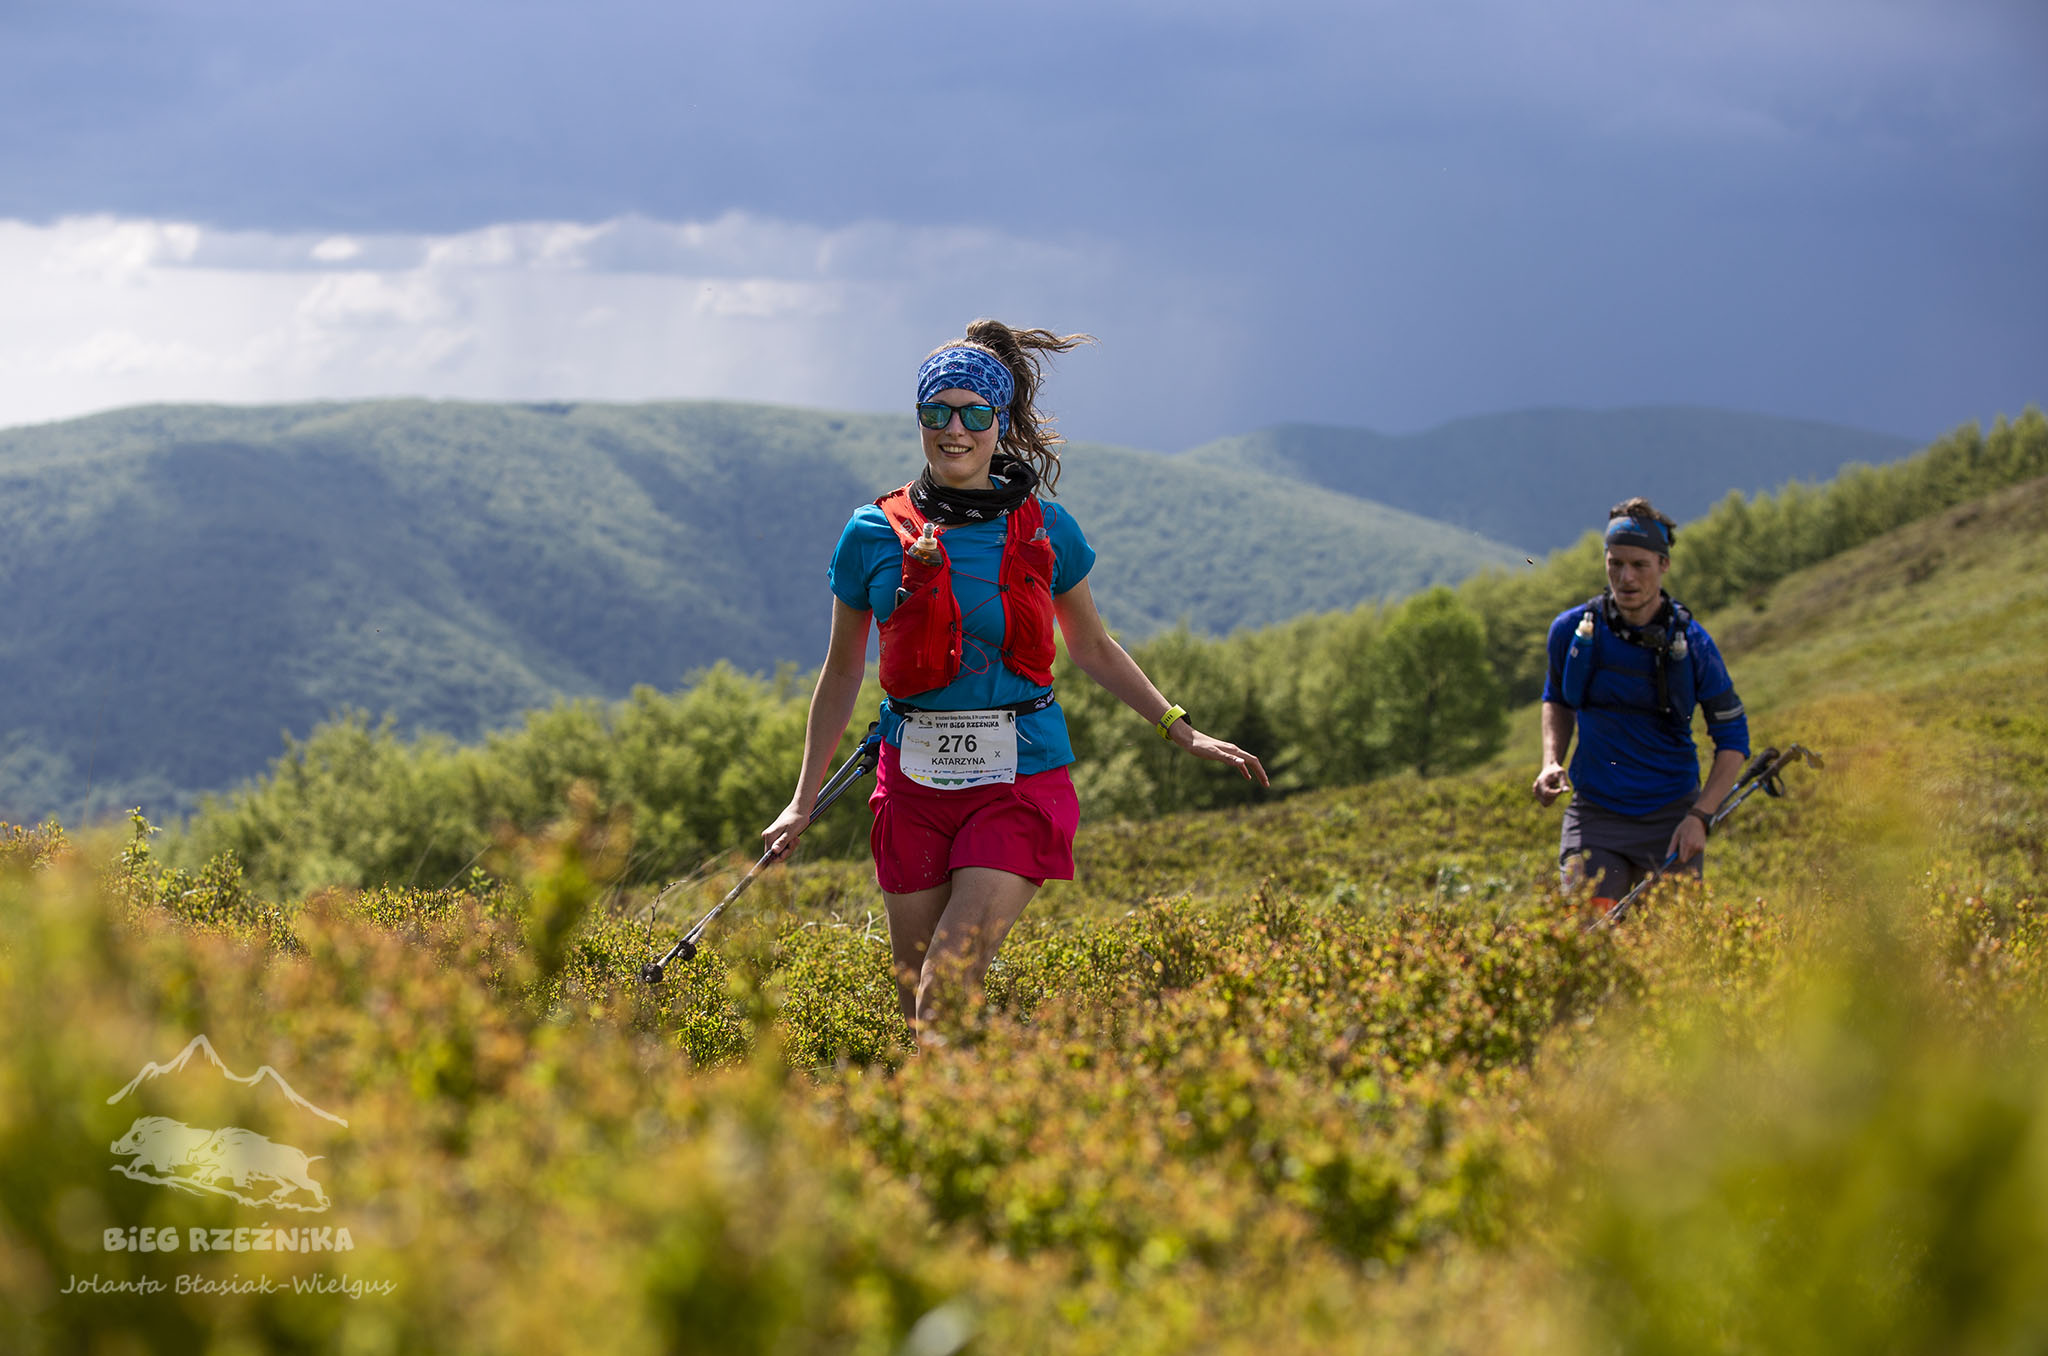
867,569
1631,758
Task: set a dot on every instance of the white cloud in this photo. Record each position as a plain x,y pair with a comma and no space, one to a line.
768,299
117,251
122,353
373,299
335,249
108,311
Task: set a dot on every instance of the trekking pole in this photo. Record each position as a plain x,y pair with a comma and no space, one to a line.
852,770
1761,774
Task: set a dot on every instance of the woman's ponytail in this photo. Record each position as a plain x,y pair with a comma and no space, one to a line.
1031,435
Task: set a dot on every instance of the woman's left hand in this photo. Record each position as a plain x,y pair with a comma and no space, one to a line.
1098,655
1219,751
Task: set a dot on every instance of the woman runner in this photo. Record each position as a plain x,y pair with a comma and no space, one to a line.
966,568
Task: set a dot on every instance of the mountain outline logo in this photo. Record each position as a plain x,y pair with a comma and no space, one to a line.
232,1161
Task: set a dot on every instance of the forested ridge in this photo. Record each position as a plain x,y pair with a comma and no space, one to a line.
187,583
1532,477
192,582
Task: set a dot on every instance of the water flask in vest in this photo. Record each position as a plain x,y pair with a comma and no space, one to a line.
1578,664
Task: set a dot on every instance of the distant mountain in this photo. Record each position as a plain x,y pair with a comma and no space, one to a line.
1541,478
185,583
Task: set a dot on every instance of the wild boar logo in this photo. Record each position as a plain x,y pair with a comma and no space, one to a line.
234,1162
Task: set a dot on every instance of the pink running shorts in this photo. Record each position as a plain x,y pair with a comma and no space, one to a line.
922,835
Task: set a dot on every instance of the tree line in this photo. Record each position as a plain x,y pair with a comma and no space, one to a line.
1424,685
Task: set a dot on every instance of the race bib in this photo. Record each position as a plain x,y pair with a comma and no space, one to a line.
953,750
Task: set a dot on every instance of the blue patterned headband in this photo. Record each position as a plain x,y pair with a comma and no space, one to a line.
1647,533
969,369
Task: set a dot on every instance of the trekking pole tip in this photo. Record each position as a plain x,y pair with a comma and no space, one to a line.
651,972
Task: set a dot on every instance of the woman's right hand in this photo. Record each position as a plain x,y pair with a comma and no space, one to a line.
779,838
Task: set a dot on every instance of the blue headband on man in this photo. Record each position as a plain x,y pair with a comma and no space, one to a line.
1647,533
969,369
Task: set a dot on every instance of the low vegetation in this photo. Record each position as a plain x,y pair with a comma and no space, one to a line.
1333,1072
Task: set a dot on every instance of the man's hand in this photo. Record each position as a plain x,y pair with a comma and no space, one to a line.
1550,783
1688,840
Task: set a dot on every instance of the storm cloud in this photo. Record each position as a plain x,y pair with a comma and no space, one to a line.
1377,213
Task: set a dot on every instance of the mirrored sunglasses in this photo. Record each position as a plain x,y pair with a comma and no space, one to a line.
936,414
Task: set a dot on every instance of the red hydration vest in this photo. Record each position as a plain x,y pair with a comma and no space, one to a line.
921,639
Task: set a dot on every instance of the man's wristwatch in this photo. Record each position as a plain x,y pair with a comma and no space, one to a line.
1706,820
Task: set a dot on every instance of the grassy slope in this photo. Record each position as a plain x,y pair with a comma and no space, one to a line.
1955,603
1941,626
1936,633
1933,639
1515,477
187,582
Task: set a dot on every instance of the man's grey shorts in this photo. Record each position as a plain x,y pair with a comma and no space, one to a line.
1619,850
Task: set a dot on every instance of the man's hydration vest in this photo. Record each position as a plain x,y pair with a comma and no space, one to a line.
921,639
1676,687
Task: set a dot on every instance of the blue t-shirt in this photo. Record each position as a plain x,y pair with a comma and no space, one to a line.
1631,758
867,569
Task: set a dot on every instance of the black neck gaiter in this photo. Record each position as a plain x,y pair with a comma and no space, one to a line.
1654,634
1014,480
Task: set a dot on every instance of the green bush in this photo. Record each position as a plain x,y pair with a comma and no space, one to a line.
1439,707
698,773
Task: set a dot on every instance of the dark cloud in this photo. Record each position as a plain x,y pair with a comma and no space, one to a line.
1395,212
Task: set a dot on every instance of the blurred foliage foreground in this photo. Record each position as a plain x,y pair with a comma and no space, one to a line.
1333,1073
1805,1111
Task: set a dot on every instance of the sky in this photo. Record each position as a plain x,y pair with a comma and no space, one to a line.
1381,213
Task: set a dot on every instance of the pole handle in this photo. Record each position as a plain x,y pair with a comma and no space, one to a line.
1762,772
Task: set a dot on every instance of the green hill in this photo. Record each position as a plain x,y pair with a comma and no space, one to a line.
186,583
1539,478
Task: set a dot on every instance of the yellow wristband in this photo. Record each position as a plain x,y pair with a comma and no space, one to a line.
1165,722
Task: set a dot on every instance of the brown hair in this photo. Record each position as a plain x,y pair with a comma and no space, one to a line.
1640,507
1031,434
